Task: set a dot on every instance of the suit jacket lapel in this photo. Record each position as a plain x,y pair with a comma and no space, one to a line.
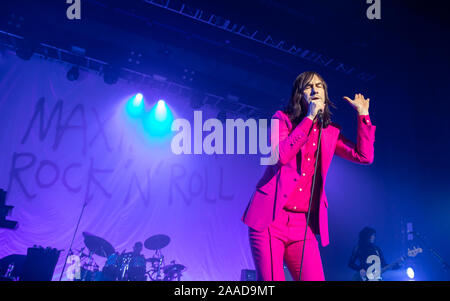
323,155
329,136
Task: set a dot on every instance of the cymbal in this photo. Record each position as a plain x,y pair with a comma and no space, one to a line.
153,259
157,242
174,268
98,245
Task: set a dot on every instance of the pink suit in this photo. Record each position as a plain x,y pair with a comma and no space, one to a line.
265,214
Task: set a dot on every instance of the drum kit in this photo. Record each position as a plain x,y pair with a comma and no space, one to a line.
127,266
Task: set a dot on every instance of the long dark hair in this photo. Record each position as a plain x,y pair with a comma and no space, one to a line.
364,237
297,107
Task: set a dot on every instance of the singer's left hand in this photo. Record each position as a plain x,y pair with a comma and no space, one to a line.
360,103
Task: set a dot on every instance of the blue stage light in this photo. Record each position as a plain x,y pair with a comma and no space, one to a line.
135,106
161,110
410,272
159,120
138,99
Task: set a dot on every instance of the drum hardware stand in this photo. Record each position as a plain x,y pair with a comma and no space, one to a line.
159,255
89,265
160,263
126,268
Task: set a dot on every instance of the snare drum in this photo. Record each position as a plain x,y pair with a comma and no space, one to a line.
137,269
111,270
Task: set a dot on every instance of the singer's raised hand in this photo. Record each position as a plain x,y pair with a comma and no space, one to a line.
314,106
360,103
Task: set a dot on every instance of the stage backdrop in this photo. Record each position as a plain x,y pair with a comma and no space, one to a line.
66,143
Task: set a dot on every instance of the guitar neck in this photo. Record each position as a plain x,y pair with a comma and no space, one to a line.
389,266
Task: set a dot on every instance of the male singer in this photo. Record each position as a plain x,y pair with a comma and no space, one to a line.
277,211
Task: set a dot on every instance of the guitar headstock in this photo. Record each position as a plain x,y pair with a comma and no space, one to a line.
414,251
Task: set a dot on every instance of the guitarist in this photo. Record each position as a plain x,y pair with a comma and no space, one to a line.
367,258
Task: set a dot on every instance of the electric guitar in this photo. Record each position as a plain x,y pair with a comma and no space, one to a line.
374,271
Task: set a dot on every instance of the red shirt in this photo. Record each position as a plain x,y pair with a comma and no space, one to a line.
298,200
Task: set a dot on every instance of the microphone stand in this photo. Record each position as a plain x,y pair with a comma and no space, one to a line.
73,238
320,119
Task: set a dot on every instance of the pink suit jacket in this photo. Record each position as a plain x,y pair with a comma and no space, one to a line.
279,180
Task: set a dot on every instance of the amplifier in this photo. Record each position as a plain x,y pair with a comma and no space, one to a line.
40,264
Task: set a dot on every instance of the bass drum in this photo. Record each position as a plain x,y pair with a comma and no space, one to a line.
88,275
111,270
137,269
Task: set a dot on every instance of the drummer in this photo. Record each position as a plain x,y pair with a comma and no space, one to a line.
137,249
137,268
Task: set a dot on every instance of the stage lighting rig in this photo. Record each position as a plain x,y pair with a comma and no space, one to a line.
73,73
110,74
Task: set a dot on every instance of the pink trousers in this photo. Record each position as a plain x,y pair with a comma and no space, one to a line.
283,240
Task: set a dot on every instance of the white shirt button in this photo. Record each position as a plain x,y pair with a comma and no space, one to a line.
304,174
314,144
309,159
300,189
295,207
315,130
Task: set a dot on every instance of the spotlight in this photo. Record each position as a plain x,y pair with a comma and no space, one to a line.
410,272
135,57
159,120
138,99
135,105
25,49
15,22
110,75
161,110
73,73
